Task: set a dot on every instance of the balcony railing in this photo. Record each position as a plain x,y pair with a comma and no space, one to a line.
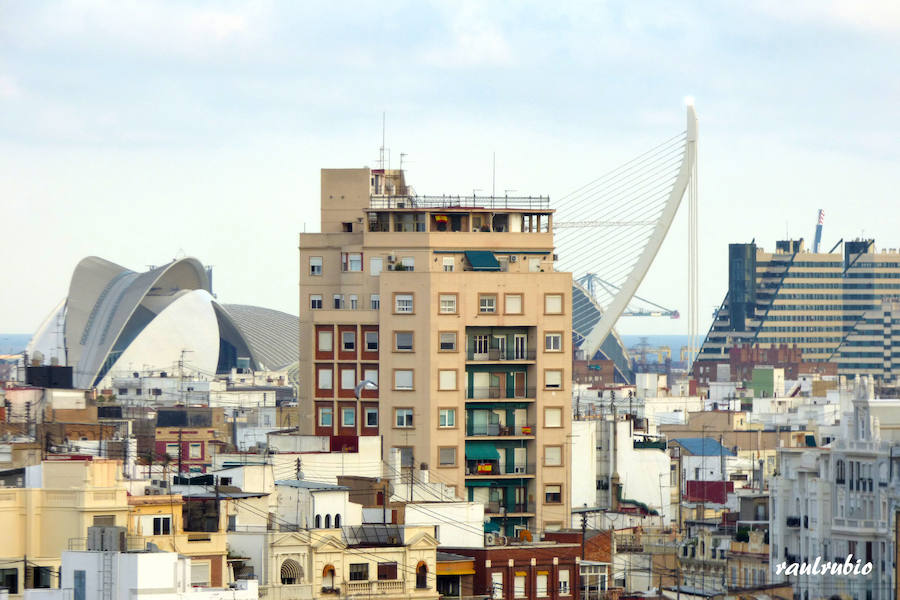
493,429
493,469
383,586
645,444
497,392
497,354
498,508
490,202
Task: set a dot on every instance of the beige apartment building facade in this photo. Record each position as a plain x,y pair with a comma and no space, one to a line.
452,307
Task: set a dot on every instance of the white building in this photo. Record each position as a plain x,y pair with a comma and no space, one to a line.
617,447
315,505
456,524
127,575
835,501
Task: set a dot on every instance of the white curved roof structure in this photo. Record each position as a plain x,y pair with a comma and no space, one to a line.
115,319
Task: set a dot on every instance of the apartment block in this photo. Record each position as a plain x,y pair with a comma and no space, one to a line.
451,308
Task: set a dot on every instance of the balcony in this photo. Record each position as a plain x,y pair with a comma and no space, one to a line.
491,469
507,355
382,202
496,392
497,430
500,509
384,586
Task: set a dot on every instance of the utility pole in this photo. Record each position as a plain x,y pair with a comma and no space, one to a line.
180,451
583,530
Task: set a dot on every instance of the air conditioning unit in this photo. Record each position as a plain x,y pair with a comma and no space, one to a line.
392,258
491,539
555,256
519,469
513,258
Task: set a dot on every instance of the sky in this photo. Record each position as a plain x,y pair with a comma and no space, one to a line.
144,131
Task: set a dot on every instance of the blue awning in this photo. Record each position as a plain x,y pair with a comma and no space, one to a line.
482,260
481,451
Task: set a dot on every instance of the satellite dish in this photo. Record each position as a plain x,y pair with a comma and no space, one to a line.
365,384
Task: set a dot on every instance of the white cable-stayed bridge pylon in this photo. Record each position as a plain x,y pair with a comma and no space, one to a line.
614,226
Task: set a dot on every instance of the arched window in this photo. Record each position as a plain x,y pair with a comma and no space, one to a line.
337,520
421,575
318,521
291,572
327,521
328,577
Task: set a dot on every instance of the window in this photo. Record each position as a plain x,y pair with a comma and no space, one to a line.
447,457
449,263
315,301
326,414
315,265
348,378
194,450
403,379
512,304
371,375
359,572
404,417
497,585
387,570
371,417
172,450
348,417
41,577
79,579
540,584
325,379
519,585
371,341
403,341
408,263
403,303
325,340
552,417
552,456
480,344
338,301
351,261
447,304
487,303
553,342
552,494
348,341
553,379
563,582
553,304
447,341
447,379
200,573
354,302
447,417
162,525
123,391
376,265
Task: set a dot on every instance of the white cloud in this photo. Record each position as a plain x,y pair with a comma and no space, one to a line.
9,89
475,40
872,16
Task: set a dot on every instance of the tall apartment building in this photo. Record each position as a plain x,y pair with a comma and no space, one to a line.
453,308
824,303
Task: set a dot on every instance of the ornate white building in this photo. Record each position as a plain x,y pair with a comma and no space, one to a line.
833,501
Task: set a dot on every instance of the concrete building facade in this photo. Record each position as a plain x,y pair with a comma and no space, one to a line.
453,309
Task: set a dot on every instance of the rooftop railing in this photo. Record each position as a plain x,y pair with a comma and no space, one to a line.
488,202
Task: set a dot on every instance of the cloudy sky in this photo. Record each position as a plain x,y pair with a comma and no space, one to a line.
142,131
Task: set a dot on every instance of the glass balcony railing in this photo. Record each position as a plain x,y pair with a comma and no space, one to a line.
494,429
494,468
500,393
509,354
